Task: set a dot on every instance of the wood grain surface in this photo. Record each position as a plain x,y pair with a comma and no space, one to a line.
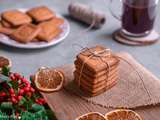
68,106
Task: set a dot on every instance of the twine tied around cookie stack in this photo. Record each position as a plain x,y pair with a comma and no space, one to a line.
97,70
98,54
91,78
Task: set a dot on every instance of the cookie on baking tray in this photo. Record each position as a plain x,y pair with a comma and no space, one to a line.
25,33
16,18
41,13
48,31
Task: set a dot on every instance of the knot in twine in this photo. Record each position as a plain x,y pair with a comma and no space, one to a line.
94,53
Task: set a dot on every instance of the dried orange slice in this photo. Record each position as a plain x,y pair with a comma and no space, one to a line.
91,116
123,114
49,80
4,61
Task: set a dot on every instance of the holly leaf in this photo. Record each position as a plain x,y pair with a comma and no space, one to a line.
4,78
27,116
50,115
6,116
12,116
15,85
9,84
6,105
22,101
1,114
5,71
37,107
41,115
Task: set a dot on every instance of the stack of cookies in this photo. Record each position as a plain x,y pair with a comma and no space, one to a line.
96,70
36,24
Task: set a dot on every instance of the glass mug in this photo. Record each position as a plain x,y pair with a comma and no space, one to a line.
137,16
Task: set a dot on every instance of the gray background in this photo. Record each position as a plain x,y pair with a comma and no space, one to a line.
27,61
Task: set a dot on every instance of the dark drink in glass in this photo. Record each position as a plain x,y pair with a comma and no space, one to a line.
138,16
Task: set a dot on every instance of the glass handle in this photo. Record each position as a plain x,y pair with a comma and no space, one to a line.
118,17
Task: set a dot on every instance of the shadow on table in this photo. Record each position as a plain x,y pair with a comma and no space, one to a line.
21,50
103,36
106,36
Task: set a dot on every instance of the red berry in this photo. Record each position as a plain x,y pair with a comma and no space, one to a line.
21,92
29,94
37,100
19,84
4,85
32,90
13,95
26,89
12,77
17,75
40,101
19,98
17,115
13,99
23,108
24,80
3,94
28,85
11,91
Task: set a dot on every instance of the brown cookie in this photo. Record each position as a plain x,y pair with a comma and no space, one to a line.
41,13
98,62
6,24
91,94
1,24
94,81
16,18
57,21
35,40
4,30
25,33
92,75
48,32
99,90
84,82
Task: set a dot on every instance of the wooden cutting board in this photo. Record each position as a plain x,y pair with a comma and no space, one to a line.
68,106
